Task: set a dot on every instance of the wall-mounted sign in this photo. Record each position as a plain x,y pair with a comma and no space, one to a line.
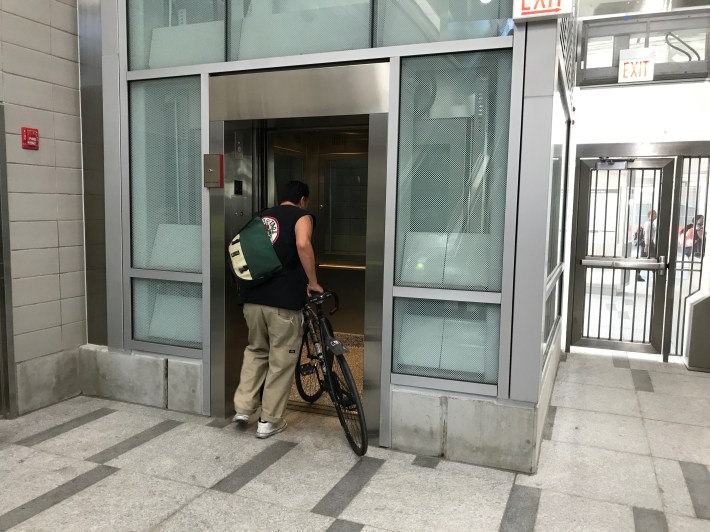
30,138
636,65
540,9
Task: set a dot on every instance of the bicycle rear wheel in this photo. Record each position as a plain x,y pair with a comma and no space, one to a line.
347,403
309,376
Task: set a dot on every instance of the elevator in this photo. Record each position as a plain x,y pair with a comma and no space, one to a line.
326,127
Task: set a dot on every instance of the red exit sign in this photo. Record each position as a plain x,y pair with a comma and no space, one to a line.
30,138
541,9
636,65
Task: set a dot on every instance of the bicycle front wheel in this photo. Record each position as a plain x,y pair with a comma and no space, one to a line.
347,403
309,377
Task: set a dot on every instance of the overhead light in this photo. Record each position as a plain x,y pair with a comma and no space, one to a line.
485,1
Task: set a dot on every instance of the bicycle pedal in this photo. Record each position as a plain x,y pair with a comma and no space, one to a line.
307,369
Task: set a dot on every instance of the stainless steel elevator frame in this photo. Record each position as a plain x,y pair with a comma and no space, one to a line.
361,89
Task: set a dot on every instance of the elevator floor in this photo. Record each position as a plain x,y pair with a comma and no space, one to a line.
356,360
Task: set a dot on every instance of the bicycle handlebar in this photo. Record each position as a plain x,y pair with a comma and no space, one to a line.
318,298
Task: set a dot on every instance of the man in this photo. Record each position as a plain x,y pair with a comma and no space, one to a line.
272,311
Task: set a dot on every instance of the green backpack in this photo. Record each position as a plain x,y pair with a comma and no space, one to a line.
252,256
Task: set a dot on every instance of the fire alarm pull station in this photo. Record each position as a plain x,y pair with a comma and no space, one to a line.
30,138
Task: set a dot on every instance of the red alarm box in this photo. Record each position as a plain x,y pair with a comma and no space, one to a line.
30,138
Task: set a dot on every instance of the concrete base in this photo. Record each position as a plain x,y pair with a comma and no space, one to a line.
477,430
146,379
47,380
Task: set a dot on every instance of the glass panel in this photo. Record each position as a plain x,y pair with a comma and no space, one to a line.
421,21
557,184
346,200
167,312
600,52
452,170
166,208
446,339
679,46
163,33
273,28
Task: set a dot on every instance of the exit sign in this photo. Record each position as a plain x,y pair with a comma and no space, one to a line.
636,65
541,9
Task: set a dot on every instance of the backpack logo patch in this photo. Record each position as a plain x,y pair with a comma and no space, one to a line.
272,227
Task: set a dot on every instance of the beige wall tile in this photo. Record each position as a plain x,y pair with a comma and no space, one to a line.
65,100
33,290
68,154
25,32
34,262
15,154
69,181
65,45
32,207
70,207
17,117
31,318
34,235
63,17
65,73
36,10
28,92
71,259
73,310
73,335
29,63
71,233
27,178
37,344
71,284
69,2
67,127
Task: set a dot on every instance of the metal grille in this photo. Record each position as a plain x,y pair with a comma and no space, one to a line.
446,339
452,170
568,42
619,302
691,234
167,312
166,205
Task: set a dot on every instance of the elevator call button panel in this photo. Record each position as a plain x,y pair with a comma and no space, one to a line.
213,170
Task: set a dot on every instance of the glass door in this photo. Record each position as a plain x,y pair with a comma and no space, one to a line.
622,254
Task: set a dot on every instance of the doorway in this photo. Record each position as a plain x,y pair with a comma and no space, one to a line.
622,249
327,127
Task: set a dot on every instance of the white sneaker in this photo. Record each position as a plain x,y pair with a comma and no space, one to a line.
265,429
241,419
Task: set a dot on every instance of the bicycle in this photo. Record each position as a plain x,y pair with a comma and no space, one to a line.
322,368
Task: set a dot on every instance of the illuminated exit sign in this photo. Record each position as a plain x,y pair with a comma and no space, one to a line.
541,9
636,65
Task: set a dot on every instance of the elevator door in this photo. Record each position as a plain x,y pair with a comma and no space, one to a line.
334,164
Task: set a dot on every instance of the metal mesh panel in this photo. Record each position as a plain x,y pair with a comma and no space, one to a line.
452,170
691,235
568,42
411,21
166,205
446,339
259,29
168,33
167,312
557,185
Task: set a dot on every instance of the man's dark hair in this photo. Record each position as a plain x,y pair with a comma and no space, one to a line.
293,191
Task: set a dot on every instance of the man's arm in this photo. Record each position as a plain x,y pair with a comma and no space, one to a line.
304,232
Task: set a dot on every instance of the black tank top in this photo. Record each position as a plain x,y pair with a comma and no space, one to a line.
287,290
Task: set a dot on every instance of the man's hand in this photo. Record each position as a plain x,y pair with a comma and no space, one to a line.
314,288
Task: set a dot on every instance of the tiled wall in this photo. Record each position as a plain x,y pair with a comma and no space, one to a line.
39,85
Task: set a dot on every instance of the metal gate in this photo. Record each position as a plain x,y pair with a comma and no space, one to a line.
689,233
622,248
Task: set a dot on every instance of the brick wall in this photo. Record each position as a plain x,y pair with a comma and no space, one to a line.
39,85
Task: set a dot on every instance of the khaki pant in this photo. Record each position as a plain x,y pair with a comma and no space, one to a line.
275,337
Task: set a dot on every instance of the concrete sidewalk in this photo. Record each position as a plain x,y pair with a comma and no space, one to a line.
627,447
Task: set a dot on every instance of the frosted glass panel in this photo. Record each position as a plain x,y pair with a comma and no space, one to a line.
453,170
446,339
166,206
417,21
273,28
163,33
167,312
